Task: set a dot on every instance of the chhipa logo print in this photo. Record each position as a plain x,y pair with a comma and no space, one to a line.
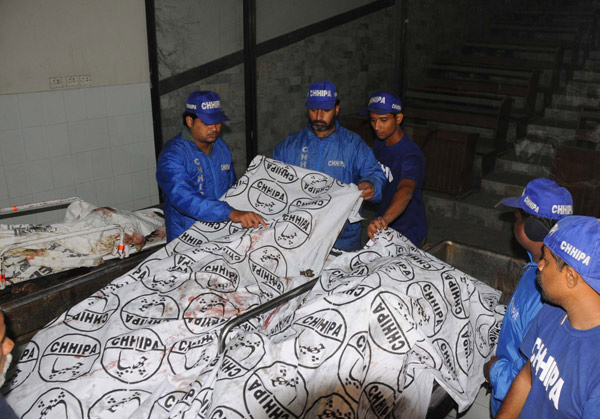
68,357
224,412
331,406
187,354
353,289
117,404
92,313
218,276
163,407
377,400
420,261
429,307
235,249
277,391
487,330
316,184
242,355
465,353
20,370
207,311
55,403
448,368
416,358
320,336
267,197
304,203
280,172
238,187
390,323
398,270
458,291
293,229
133,357
149,310
354,364
165,281
268,266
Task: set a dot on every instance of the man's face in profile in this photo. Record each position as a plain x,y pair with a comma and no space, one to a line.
6,347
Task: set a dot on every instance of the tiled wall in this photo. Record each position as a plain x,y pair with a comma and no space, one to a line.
95,143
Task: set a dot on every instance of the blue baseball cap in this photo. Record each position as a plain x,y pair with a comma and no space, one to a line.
206,105
321,95
383,103
576,240
544,198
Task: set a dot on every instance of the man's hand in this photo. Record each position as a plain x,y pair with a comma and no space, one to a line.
367,190
247,219
377,225
488,366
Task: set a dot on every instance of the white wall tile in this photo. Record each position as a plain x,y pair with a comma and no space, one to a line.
123,190
40,176
138,159
87,192
36,145
12,147
101,164
145,97
152,183
31,109
95,102
17,181
24,219
141,203
98,135
9,112
3,187
78,136
54,107
62,171
105,192
48,216
65,192
127,206
57,138
117,127
140,185
123,99
82,167
121,159
75,105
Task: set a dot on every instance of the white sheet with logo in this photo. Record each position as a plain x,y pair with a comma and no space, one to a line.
367,341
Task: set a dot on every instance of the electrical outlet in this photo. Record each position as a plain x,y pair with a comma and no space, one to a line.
72,81
56,83
85,80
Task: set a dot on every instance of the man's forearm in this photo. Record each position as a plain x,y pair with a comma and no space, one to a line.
399,203
517,395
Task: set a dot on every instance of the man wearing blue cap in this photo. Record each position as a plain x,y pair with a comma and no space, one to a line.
403,163
326,146
562,375
541,205
195,169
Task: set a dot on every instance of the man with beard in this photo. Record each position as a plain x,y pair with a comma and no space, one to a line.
327,147
6,347
562,375
537,210
403,163
195,169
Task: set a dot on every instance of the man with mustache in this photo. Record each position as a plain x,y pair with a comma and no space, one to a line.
561,377
404,166
324,145
195,169
6,347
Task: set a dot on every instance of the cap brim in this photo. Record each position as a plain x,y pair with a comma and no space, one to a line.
324,105
512,201
594,283
535,230
212,118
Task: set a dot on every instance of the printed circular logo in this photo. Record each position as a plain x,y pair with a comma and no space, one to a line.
267,197
117,404
55,403
165,281
218,276
448,367
92,313
68,357
390,323
306,203
464,348
320,336
143,270
21,370
457,294
487,330
419,261
398,270
238,187
489,300
359,263
429,306
235,251
241,356
149,310
211,227
163,407
276,391
316,184
280,324
256,161
347,295
187,354
204,400
207,311
182,263
416,358
332,279
354,364
133,357
331,406
268,266
377,400
293,229
191,237
224,412
280,172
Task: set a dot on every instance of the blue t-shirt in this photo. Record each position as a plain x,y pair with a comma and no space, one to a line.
565,368
404,160
524,305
